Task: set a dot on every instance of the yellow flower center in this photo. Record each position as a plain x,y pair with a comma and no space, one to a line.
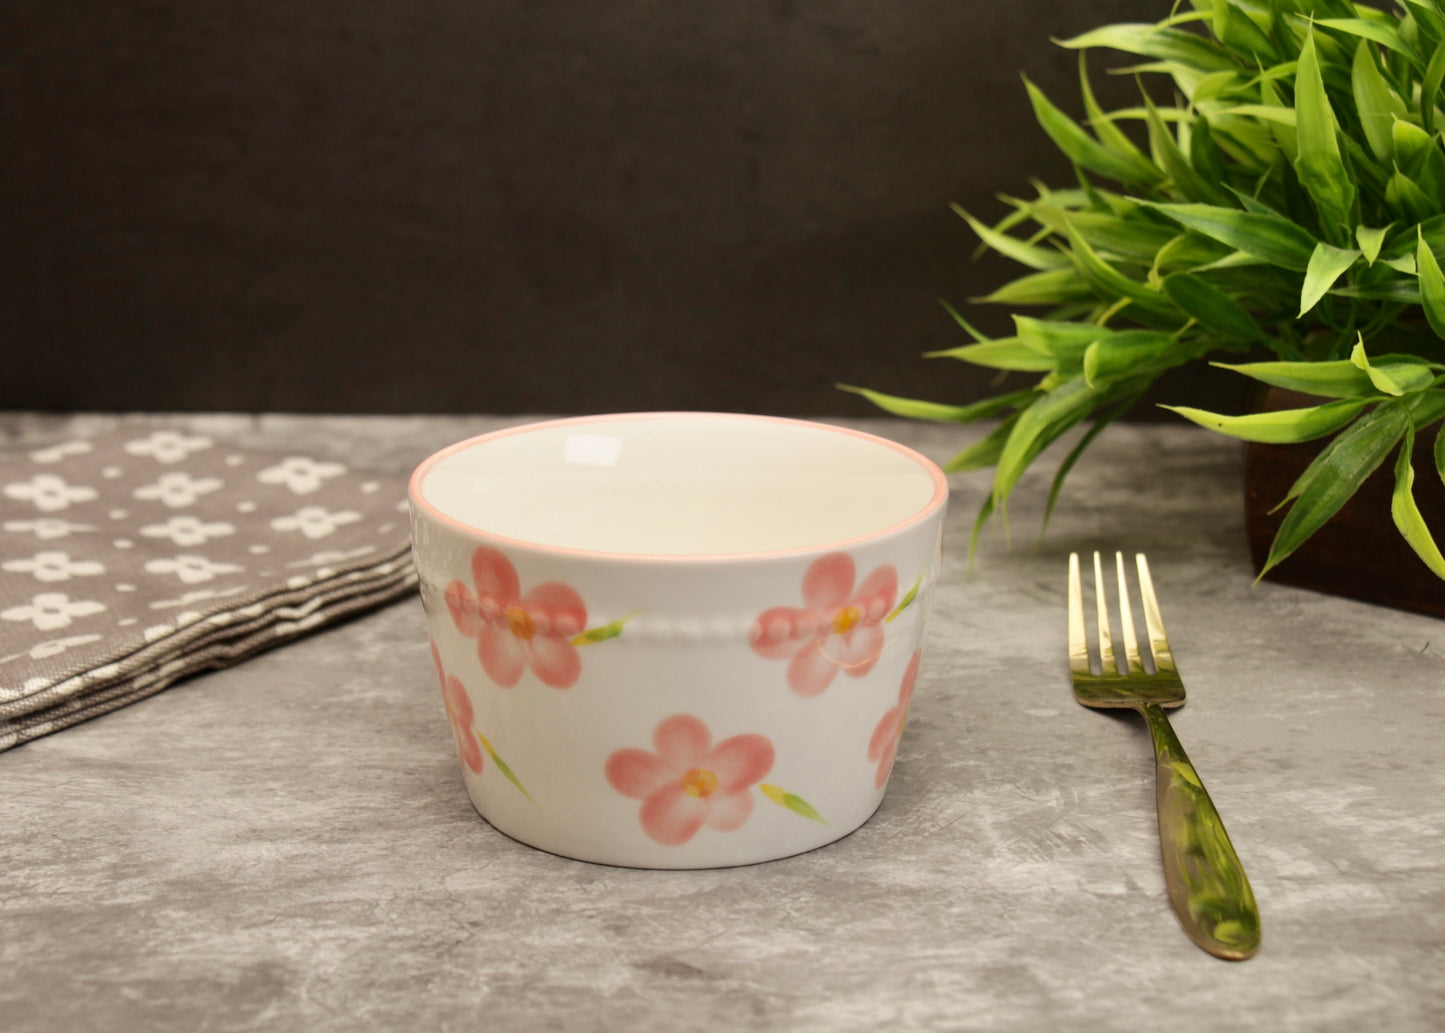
846,619
699,782
521,623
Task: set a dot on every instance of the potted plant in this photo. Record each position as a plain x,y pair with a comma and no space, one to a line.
1282,215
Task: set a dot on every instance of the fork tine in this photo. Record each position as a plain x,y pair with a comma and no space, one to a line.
1101,606
1126,619
1078,637
1153,619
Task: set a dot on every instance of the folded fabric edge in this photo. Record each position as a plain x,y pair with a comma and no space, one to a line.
203,626
216,654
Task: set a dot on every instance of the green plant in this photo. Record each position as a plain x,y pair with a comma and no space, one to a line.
1291,199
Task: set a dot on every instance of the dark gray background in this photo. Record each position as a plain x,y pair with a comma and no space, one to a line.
511,206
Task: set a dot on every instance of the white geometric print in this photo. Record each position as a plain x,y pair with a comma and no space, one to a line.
53,565
315,521
51,610
167,446
46,527
300,474
187,531
191,569
55,453
178,490
49,492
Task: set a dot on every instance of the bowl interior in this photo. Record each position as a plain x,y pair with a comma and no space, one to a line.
679,484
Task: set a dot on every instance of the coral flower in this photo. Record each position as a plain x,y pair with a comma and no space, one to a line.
516,631
689,782
459,715
838,627
883,747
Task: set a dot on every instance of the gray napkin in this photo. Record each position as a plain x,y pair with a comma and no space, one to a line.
132,560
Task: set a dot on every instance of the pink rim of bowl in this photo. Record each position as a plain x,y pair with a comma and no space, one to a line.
926,465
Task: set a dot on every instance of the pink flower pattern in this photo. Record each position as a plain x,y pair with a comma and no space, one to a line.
689,782
459,715
883,747
516,631
838,626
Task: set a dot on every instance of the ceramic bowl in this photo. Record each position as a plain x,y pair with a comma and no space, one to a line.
676,640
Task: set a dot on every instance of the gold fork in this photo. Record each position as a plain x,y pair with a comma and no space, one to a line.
1206,882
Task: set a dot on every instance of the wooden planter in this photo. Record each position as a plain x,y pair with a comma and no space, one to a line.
1359,554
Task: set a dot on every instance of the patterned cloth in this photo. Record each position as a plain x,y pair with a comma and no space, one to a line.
131,560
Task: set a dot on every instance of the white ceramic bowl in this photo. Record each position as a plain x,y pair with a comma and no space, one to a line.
677,640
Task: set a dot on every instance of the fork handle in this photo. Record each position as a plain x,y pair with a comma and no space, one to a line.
1206,882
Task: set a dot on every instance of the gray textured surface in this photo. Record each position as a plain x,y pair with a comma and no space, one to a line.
287,844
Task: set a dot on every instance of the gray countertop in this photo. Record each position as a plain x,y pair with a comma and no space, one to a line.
287,844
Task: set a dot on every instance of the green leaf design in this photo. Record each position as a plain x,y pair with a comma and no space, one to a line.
1184,48
1125,354
986,451
1335,475
502,766
1036,428
937,412
906,601
1284,426
1383,33
603,632
1327,264
1052,287
794,803
1432,281
1406,514
1272,238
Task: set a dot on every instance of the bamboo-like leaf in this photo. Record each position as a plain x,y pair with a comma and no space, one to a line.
1440,453
906,601
1239,32
985,511
1432,282
1054,287
985,451
1113,284
1020,251
1097,428
1172,160
1370,241
1037,427
914,409
1284,426
1335,475
1406,513
1337,379
1204,154
1327,265
792,802
1395,378
1383,33
1406,199
964,323
1274,239
1110,135
1430,88
1212,308
1319,164
1407,141
1284,134
1007,353
1124,354
1377,104
1063,341
1076,143
1175,45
